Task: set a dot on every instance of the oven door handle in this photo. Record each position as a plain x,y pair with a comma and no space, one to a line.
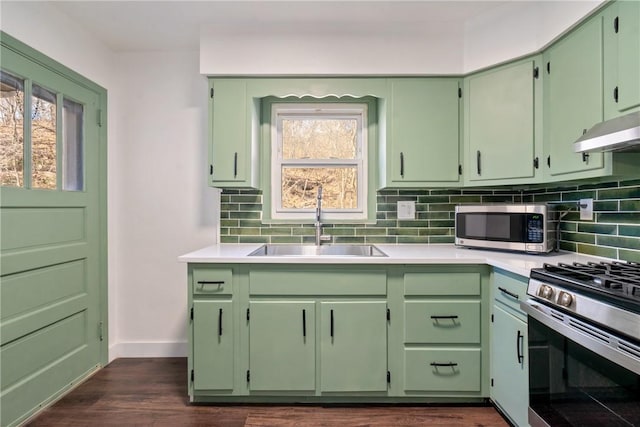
580,336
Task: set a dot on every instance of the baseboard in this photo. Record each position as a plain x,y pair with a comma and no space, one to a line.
148,349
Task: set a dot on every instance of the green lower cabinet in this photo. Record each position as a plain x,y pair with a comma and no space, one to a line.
353,352
213,345
442,322
442,370
509,365
282,346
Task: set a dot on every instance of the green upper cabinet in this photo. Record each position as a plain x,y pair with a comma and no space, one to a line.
573,100
233,156
622,58
353,353
502,122
422,146
282,346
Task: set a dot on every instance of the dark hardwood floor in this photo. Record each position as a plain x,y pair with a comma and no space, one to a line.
153,392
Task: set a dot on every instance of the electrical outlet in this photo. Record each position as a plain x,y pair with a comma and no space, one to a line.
586,209
407,210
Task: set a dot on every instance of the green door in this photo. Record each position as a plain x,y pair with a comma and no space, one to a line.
424,132
212,345
500,121
229,133
628,26
574,97
509,365
282,346
353,352
53,264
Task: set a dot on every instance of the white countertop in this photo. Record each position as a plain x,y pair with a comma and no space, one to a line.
396,254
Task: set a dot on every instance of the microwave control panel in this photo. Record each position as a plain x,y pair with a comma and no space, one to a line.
535,228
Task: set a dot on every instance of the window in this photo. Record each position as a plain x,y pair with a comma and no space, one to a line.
314,145
54,141
11,131
43,139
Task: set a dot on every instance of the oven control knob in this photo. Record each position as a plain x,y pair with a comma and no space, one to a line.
545,291
565,299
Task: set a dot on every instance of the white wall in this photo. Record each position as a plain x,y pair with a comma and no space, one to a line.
505,32
159,202
518,28
165,208
435,50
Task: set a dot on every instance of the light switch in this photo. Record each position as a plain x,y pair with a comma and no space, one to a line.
586,209
407,210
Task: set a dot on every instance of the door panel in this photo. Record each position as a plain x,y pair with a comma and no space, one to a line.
501,123
510,374
282,346
213,345
575,101
424,130
51,250
628,54
353,346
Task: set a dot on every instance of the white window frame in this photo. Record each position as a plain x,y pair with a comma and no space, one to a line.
353,111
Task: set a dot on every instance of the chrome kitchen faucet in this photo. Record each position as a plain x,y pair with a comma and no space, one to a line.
319,236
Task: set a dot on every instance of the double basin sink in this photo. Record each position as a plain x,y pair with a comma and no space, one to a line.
322,250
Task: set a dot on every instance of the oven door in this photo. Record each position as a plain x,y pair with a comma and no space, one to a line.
579,375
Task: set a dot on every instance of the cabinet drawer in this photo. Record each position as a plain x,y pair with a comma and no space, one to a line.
212,281
442,283
510,289
442,322
318,282
442,369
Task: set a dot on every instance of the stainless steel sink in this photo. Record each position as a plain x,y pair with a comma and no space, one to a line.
323,250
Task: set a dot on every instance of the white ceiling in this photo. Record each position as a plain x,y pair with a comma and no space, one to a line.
173,25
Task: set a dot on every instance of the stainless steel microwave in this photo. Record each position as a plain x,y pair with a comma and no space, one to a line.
515,227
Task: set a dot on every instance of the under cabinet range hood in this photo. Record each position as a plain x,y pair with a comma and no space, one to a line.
619,134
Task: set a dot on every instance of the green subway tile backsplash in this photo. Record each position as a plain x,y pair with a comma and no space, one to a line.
614,232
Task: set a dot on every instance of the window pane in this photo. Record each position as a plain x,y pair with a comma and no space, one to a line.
11,130
339,187
72,146
319,138
43,138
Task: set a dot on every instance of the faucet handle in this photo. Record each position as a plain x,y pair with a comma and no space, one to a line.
320,192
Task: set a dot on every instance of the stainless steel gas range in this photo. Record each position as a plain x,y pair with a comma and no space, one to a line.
584,344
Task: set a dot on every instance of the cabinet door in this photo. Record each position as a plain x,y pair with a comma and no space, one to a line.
628,26
574,97
500,121
282,346
213,345
353,355
509,365
230,144
424,131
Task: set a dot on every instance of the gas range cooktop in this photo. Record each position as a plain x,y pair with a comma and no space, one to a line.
616,283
